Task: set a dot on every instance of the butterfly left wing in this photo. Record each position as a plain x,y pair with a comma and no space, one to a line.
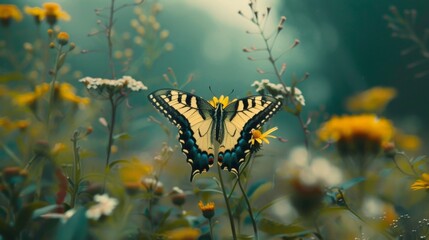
242,116
191,114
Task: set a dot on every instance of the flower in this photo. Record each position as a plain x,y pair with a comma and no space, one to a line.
357,134
221,100
100,85
422,183
185,233
208,209
104,207
178,196
28,99
37,12
134,171
9,125
258,137
53,13
408,142
278,90
372,100
63,38
66,91
9,12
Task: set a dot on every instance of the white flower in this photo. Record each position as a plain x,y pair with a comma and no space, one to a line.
105,206
125,81
278,91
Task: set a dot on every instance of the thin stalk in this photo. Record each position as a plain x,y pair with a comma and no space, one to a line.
76,169
231,219
249,208
110,140
52,88
109,39
211,229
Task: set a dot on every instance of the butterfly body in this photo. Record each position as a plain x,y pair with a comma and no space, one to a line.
204,125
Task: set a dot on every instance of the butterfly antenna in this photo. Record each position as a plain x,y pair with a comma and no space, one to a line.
210,88
232,91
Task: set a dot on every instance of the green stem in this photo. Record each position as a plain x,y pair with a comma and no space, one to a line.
211,229
231,219
109,39
249,208
76,169
52,89
110,140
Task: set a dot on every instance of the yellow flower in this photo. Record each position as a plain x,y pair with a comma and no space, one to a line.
63,38
372,100
67,92
221,100
185,233
29,98
53,12
208,209
58,147
422,183
9,125
9,12
134,171
408,142
354,134
37,12
259,137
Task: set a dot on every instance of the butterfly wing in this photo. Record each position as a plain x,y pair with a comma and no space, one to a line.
242,116
192,115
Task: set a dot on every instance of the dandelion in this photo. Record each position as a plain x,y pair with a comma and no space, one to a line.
9,12
357,134
372,100
37,12
53,13
208,209
422,183
104,207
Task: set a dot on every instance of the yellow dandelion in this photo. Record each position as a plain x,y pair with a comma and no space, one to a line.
9,12
208,209
372,100
37,12
53,13
185,233
422,183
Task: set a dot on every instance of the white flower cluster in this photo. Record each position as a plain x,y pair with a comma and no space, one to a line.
310,172
125,81
277,90
105,206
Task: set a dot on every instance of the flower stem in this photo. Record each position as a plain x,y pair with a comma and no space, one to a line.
109,38
211,229
52,89
76,169
110,140
249,208
231,219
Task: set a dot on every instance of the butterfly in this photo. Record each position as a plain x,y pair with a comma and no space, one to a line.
206,126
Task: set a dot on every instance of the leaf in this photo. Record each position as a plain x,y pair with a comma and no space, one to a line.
61,61
26,213
350,183
114,163
38,212
275,228
403,163
165,217
75,228
258,189
12,155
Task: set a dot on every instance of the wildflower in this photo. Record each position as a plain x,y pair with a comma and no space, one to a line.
306,198
63,38
178,196
258,137
185,233
278,90
134,171
101,85
221,100
53,13
408,142
422,183
66,91
9,12
357,134
372,100
104,207
208,209
28,99
37,12
9,125
153,185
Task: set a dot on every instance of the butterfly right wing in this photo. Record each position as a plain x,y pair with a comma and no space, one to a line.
192,115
